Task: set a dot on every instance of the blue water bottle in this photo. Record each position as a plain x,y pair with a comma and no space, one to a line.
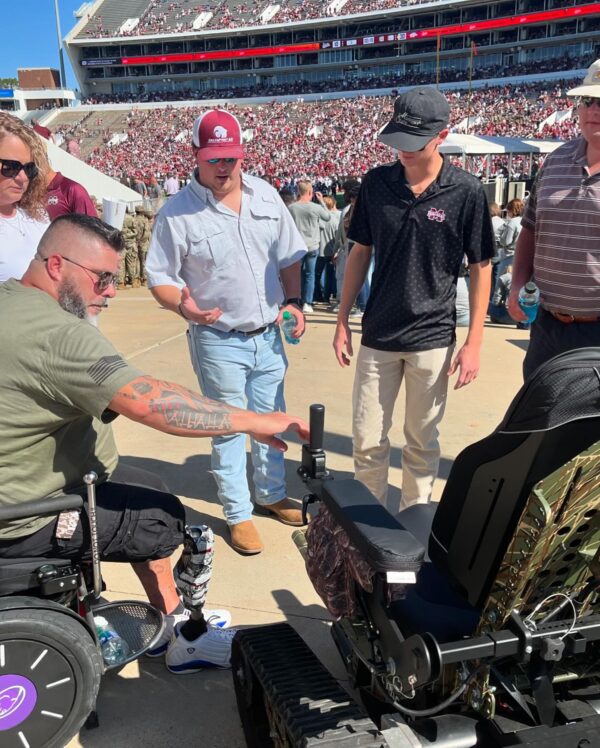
288,325
114,648
529,300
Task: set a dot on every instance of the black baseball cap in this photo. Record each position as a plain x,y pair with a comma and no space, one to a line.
419,115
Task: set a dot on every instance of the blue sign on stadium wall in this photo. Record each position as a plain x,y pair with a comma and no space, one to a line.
6,93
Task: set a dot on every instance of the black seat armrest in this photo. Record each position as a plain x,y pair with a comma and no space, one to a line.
418,519
377,535
36,507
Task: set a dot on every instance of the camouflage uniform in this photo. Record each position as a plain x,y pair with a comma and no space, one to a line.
129,269
143,222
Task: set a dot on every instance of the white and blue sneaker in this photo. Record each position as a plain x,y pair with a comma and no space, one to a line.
209,650
217,618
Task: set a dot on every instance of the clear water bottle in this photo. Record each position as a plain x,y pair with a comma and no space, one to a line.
529,300
288,325
114,648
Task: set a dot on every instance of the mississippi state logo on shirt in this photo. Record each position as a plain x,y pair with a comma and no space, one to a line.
436,214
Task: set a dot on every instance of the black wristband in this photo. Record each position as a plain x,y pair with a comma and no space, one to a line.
181,312
295,301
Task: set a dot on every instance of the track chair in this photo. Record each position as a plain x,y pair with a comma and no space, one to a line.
475,622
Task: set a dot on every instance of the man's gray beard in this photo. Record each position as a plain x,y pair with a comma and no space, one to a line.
71,301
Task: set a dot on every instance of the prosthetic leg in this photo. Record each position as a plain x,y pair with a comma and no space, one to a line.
192,576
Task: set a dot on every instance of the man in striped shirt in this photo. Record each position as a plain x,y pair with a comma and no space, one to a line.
559,243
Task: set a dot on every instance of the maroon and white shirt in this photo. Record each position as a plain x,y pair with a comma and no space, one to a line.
67,196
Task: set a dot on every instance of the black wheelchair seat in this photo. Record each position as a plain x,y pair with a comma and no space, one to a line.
432,605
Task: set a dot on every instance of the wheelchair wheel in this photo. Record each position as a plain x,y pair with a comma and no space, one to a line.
50,670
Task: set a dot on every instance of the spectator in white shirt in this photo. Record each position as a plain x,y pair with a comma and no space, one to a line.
23,175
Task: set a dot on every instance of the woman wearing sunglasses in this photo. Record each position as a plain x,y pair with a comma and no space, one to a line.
23,171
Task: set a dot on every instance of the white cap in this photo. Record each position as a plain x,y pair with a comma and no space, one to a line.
591,83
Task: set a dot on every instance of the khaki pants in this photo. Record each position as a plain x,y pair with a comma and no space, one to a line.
379,375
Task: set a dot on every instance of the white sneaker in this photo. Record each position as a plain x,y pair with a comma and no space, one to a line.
355,313
307,309
217,618
209,650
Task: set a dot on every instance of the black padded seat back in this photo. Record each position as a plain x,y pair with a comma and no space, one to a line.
554,417
20,574
375,533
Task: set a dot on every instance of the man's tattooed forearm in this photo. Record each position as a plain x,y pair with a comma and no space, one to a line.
179,407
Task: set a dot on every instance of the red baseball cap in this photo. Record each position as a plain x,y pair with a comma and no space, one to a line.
217,134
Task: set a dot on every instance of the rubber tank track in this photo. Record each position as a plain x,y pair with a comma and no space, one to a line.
316,710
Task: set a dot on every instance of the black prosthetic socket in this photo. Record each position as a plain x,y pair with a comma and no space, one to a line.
194,627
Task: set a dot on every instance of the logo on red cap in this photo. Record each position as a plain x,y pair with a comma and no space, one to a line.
218,134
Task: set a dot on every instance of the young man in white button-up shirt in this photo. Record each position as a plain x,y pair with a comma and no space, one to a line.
225,255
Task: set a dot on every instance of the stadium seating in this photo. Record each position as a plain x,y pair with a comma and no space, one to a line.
168,16
111,16
342,139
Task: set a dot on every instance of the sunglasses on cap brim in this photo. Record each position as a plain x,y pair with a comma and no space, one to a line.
214,161
10,168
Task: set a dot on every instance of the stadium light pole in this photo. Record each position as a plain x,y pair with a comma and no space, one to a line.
63,77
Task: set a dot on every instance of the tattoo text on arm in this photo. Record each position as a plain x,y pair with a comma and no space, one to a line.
179,407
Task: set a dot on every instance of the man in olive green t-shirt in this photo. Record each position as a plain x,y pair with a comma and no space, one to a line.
61,382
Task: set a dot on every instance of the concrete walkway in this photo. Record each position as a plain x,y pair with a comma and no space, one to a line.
144,706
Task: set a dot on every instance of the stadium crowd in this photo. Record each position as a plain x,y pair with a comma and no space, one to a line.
175,16
293,140
348,83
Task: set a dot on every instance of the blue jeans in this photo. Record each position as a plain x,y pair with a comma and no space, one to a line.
549,337
325,279
245,372
309,263
365,289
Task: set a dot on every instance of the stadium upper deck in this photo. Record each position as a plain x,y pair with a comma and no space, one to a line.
137,47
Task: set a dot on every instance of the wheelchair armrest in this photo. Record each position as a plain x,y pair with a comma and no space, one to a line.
380,538
40,506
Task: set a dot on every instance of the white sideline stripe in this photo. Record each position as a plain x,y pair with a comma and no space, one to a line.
2,658
39,659
58,682
155,345
51,714
23,740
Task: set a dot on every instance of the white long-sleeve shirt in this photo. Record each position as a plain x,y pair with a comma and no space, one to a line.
228,260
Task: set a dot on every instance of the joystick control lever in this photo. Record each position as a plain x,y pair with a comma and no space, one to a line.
313,455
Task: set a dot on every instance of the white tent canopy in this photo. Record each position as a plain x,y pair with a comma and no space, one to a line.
479,145
97,184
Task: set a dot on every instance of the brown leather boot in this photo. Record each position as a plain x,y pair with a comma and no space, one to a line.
287,511
245,538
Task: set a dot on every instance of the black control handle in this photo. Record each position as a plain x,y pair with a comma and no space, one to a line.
317,426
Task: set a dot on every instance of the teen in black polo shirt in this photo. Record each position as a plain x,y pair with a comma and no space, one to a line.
420,216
